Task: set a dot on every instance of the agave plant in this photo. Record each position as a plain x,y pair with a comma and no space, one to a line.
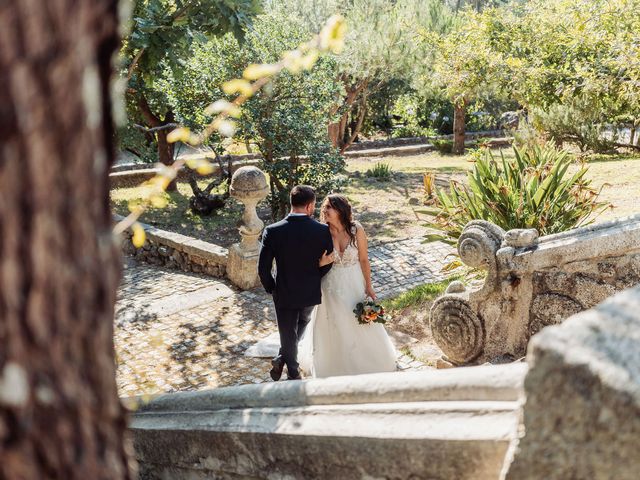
381,171
536,189
429,181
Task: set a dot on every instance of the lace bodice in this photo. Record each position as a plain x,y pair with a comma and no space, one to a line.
348,258
350,255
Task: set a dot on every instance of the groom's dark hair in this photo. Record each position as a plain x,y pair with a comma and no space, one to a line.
302,195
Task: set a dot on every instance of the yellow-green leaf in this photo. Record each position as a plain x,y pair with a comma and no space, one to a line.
332,35
226,128
181,134
223,106
237,85
259,70
139,236
309,60
205,168
159,201
135,206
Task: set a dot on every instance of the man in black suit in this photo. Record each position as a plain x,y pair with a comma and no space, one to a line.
297,244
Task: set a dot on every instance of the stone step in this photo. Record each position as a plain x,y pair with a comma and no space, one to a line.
453,424
490,382
434,440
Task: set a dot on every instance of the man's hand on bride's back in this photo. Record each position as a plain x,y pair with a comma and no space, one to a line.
326,259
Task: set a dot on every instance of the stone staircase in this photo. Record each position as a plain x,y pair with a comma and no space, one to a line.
452,424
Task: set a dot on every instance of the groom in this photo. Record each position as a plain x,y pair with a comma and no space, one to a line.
296,243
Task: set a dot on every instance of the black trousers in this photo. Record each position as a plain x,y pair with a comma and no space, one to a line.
291,326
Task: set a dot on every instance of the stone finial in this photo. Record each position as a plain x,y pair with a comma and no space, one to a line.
479,242
519,238
456,287
249,186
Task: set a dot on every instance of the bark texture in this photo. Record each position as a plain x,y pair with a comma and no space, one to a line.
459,112
165,149
343,132
60,417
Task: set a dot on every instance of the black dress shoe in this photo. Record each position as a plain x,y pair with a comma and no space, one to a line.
297,376
277,365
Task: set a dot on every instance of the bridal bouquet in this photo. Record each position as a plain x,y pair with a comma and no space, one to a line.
369,311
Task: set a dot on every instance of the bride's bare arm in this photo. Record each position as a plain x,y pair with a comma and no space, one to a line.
363,257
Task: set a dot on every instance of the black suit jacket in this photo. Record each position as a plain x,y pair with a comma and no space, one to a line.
297,244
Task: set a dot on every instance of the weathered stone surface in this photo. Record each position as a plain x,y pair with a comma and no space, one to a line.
485,383
436,425
520,238
582,410
249,186
509,120
457,330
249,182
531,283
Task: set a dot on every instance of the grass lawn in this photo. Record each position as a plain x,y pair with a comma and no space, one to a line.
220,228
619,177
409,314
385,208
389,210
393,209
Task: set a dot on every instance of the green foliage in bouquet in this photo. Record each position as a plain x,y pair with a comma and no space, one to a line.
536,189
368,312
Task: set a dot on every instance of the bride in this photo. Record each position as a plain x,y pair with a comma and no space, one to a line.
335,343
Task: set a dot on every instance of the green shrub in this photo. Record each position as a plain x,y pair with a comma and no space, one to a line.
536,189
404,131
381,171
443,145
577,123
288,120
526,135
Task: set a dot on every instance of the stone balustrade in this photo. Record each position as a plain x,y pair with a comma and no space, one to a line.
455,424
530,283
581,417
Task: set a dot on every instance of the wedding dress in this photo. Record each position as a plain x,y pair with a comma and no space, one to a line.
334,342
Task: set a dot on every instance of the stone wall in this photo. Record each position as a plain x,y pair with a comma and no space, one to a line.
131,175
398,142
438,425
134,175
531,283
173,250
582,410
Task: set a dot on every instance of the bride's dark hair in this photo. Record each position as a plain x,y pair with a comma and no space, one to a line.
341,205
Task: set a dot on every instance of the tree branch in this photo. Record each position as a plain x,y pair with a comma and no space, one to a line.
167,126
145,109
627,145
135,61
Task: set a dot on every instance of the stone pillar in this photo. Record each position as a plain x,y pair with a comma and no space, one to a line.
249,186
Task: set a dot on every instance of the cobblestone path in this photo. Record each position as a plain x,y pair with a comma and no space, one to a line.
181,331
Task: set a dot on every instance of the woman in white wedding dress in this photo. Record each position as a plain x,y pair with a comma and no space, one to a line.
335,343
